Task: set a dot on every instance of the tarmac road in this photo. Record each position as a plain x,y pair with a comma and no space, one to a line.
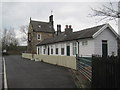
23,73
0,72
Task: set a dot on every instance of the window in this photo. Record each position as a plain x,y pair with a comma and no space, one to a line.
56,50
50,26
39,36
84,43
51,51
62,51
62,48
38,50
74,48
44,51
29,37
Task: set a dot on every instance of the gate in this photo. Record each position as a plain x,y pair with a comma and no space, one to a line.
84,65
105,72
102,72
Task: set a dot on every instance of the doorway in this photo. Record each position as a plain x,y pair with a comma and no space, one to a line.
68,50
104,48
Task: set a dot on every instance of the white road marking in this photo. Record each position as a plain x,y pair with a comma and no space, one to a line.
5,77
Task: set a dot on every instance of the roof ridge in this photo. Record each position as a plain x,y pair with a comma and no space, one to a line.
89,28
39,21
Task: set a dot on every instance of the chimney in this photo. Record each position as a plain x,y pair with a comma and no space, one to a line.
51,20
58,29
68,30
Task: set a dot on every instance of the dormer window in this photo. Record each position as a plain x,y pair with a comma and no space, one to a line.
50,26
38,36
39,26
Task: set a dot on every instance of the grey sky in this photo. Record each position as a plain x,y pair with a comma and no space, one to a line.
16,14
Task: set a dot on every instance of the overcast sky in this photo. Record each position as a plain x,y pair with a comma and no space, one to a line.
15,14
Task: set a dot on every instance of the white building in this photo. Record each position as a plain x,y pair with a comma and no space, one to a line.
98,40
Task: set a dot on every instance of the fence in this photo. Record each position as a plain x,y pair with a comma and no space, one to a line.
84,66
105,72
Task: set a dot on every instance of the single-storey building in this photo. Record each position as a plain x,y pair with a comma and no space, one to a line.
98,40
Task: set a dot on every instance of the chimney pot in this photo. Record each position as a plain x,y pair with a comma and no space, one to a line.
70,26
66,26
68,30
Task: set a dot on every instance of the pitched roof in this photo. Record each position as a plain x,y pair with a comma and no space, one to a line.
39,26
82,34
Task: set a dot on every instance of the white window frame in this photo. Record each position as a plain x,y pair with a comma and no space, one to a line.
84,43
38,50
29,37
74,48
44,50
56,47
51,52
62,46
37,36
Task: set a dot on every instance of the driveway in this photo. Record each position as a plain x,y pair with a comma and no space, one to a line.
23,73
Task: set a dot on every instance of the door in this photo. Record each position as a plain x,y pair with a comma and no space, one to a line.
104,48
68,50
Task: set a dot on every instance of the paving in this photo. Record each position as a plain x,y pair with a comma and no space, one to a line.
24,73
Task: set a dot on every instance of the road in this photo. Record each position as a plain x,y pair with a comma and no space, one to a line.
0,72
23,73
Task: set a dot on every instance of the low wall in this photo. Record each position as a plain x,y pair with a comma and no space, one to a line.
27,55
66,61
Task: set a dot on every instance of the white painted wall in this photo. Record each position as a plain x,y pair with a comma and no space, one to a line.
111,39
86,50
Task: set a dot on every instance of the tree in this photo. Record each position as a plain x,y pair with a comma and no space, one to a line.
9,38
107,13
24,32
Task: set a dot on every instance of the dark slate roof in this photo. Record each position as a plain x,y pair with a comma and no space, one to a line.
82,34
45,26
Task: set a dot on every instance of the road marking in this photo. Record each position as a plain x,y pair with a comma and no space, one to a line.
5,77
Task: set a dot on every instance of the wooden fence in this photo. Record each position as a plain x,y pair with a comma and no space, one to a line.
105,72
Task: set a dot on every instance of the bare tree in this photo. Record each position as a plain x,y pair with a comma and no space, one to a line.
9,38
24,32
107,13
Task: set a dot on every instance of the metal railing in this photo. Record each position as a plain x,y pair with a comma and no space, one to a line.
84,65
